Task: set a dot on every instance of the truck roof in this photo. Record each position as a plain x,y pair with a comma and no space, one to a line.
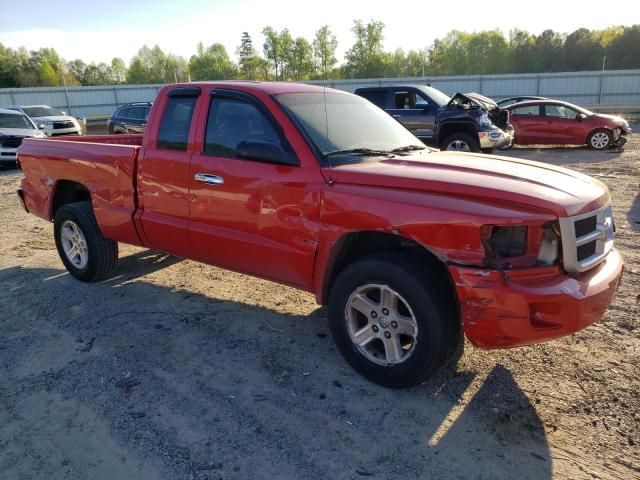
269,88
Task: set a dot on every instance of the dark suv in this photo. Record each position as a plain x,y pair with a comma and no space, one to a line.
129,118
469,122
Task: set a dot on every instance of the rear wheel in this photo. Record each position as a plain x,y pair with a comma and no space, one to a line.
599,139
86,254
391,321
460,142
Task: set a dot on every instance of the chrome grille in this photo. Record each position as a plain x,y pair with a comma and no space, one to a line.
586,239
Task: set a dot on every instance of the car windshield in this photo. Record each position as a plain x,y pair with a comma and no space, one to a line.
436,95
42,112
11,120
342,124
580,109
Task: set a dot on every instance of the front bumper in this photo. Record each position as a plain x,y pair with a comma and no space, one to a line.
54,132
523,307
495,138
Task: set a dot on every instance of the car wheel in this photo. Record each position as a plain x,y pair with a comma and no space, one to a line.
391,321
86,254
599,139
460,142
488,151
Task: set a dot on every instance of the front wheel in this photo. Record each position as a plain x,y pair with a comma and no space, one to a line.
460,142
599,139
85,253
391,320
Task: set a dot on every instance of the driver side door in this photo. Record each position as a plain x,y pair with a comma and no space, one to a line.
251,216
414,111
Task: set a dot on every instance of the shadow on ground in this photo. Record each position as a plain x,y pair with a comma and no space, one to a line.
184,385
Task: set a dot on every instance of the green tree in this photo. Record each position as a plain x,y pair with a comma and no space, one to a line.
118,71
212,63
583,50
548,52
522,51
449,55
366,58
277,50
324,50
300,61
624,50
47,76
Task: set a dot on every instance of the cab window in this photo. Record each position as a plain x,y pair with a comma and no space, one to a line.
528,110
559,111
232,121
176,122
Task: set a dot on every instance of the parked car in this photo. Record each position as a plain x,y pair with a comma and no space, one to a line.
468,123
51,121
14,127
505,102
321,190
129,118
552,122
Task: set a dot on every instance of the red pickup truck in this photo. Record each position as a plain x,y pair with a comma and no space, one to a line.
321,190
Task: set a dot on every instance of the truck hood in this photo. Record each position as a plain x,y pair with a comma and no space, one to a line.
484,177
18,132
474,99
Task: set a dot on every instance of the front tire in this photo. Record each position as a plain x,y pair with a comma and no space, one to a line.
392,321
460,142
85,253
599,139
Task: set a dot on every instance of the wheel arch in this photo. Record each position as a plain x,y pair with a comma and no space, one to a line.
352,246
448,127
65,192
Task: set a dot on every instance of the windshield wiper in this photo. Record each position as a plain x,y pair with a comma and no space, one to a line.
358,151
408,148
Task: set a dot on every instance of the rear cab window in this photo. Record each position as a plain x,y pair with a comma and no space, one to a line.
377,97
175,124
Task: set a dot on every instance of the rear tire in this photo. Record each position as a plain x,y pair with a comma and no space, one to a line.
407,343
599,139
460,142
85,253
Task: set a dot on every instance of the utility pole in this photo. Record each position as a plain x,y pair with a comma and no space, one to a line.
604,63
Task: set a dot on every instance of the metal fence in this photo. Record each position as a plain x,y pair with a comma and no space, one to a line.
616,90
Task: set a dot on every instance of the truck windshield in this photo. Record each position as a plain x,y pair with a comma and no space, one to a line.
35,112
11,120
356,127
435,95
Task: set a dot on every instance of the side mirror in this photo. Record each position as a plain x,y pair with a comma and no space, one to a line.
40,126
63,113
265,152
580,117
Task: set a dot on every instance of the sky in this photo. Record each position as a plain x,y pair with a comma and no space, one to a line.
99,31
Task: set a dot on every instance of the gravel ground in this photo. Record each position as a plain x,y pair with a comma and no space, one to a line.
177,370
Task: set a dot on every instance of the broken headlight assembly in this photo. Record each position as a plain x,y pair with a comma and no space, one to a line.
517,246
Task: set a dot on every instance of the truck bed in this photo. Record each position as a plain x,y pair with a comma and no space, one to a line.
104,165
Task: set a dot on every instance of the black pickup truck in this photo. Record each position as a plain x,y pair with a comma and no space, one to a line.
465,122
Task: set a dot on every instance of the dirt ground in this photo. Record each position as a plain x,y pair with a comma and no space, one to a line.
177,370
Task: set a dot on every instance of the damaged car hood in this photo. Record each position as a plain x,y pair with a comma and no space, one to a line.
500,179
472,99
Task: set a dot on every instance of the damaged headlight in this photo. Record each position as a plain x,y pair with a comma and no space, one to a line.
513,246
484,120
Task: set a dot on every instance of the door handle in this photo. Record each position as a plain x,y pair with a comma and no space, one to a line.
209,179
